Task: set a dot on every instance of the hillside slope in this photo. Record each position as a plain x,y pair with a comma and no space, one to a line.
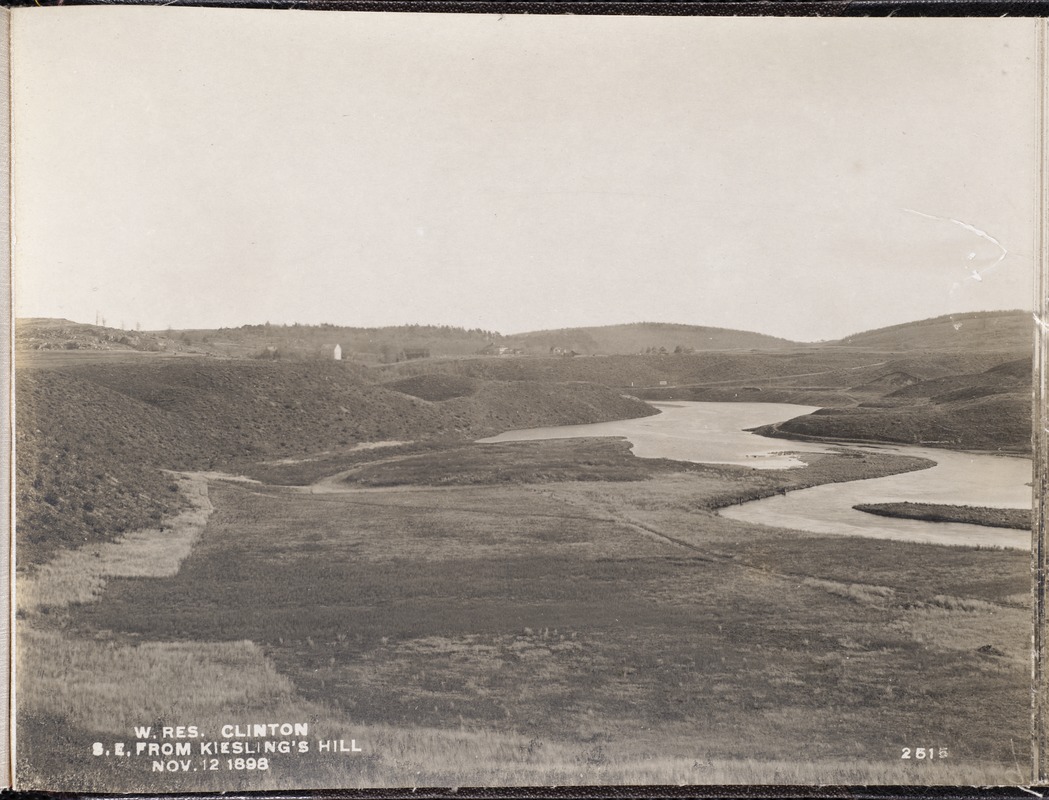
92,440
47,334
974,331
835,369
989,410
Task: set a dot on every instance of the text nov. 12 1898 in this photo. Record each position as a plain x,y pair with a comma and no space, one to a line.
243,747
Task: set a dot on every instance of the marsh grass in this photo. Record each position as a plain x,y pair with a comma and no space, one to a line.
80,575
967,604
1014,518
705,636
860,593
104,685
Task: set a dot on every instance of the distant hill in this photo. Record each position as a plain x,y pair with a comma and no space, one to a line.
640,337
389,344
365,345
271,342
984,330
47,334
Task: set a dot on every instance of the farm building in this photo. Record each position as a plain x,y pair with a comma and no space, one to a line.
408,353
563,351
492,349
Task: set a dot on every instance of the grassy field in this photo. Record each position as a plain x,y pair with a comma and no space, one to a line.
560,624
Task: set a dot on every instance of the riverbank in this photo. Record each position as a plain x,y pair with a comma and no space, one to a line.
1016,518
777,431
842,466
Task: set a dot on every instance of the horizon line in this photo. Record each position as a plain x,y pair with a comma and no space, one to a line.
520,333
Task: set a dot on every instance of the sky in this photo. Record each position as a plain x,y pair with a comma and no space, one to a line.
805,178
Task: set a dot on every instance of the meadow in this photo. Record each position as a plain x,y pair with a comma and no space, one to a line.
581,617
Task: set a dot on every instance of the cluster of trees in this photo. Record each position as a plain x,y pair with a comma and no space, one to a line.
662,351
413,329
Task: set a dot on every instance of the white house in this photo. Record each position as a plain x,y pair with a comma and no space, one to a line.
337,353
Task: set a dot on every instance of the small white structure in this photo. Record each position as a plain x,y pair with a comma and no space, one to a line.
337,353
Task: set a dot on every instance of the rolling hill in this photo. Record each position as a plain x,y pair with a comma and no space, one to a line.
643,336
44,334
975,331
972,332
988,410
93,440
386,344
962,380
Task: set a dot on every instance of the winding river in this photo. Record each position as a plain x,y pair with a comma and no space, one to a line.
715,433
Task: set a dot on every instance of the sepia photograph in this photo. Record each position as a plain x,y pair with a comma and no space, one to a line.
473,400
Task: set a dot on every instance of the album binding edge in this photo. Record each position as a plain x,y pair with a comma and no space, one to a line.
7,452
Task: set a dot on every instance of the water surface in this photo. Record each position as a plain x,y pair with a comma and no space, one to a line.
705,433
715,433
957,479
